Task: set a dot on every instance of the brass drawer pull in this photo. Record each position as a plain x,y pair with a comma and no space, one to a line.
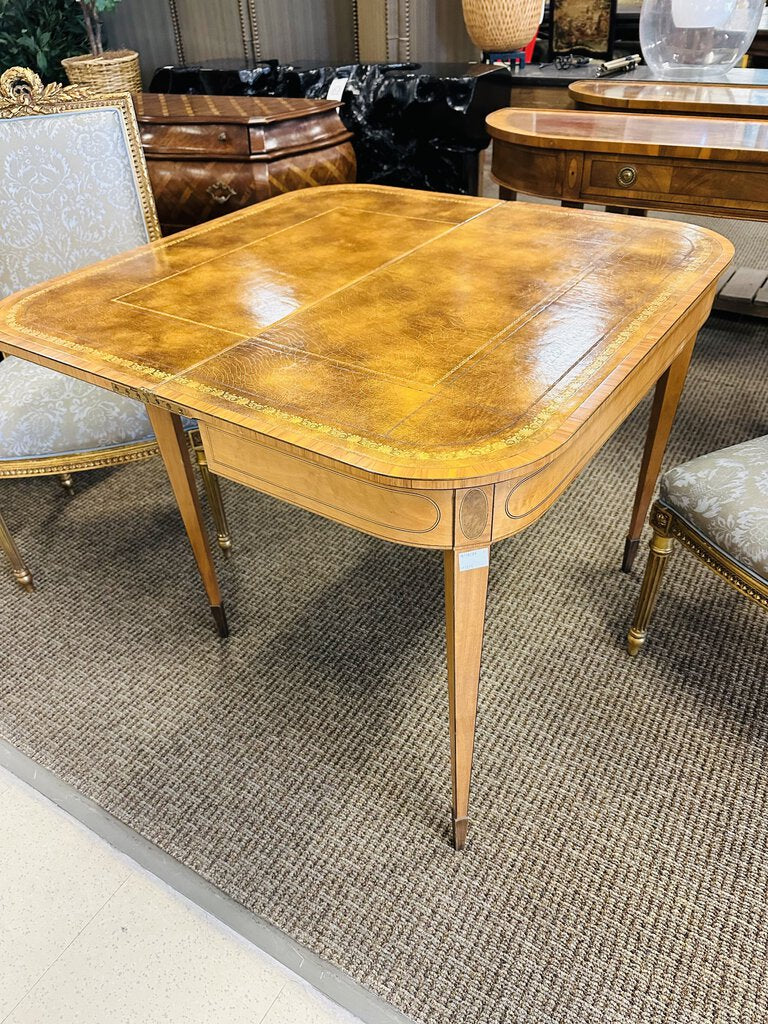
626,177
220,192
222,136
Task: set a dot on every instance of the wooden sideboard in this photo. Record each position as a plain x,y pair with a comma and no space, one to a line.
706,166
209,155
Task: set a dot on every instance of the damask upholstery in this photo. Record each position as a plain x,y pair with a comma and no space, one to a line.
47,413
72,191
724,497
68,197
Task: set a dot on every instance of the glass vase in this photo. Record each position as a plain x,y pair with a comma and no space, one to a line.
697,40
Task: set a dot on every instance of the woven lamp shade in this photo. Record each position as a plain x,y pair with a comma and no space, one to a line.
496,26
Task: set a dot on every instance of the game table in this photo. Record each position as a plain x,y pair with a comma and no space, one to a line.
433,370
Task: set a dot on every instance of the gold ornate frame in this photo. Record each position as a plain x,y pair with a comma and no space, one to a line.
22,94
668,527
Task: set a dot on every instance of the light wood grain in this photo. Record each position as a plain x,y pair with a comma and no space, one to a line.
465,594
666,398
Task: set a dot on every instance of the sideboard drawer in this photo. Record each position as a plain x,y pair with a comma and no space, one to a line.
191,192
210,140
734,187
614,176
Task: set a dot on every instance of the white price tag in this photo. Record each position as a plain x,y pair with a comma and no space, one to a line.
477,559
337,87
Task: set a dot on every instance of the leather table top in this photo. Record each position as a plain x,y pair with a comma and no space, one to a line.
408,334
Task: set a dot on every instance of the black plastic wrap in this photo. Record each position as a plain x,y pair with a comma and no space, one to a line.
414,125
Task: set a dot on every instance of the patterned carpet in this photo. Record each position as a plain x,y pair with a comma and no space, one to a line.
617,866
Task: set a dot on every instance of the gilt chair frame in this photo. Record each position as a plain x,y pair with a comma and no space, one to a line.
669,527
22,94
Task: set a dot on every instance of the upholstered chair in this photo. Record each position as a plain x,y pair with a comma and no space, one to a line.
716,506
73,190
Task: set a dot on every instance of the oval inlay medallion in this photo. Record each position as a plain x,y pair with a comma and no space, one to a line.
473,514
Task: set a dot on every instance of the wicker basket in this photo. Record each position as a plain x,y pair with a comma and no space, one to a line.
497,26
113,71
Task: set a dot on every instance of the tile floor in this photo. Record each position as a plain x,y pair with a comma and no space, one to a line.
88,936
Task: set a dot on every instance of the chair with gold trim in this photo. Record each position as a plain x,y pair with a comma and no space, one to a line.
716,506
73,190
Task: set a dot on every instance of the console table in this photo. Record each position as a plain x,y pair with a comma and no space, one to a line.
209,155
704,166
547,87
409,364
690,98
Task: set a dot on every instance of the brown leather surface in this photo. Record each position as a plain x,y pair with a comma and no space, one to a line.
411,330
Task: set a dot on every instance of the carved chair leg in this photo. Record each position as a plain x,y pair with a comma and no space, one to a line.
661,547
213,494
212,489
68,483
20,571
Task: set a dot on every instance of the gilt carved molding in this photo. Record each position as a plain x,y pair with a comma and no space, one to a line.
22,93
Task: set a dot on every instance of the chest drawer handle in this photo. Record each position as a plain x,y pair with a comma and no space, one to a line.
222,136
220,192
626,177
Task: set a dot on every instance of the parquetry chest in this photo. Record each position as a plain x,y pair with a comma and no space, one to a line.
209,155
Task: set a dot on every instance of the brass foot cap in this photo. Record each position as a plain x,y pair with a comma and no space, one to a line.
460,828
225,543
634,642
630,550
220,618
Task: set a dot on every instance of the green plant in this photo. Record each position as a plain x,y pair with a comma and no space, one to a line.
38,33
92,11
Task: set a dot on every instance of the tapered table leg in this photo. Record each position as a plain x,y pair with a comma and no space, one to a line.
175,453
466,585
665,401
